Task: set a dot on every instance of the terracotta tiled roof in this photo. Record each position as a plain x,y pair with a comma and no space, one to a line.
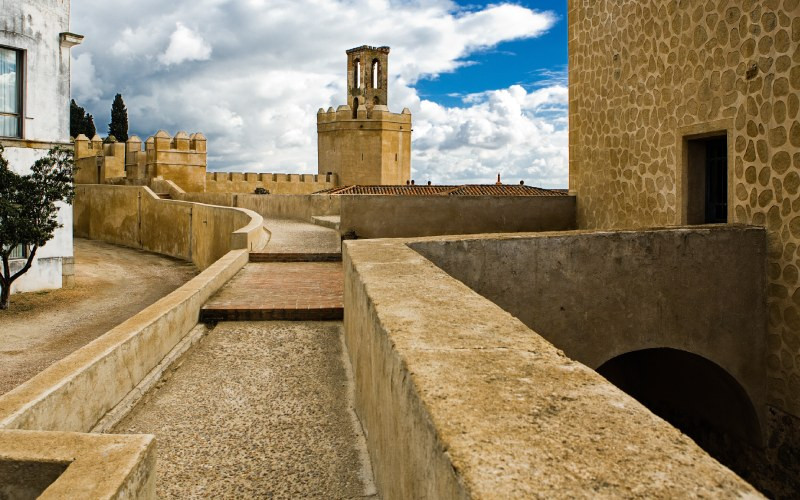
465,190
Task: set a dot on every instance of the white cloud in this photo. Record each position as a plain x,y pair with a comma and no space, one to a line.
275,62
185,45
86,85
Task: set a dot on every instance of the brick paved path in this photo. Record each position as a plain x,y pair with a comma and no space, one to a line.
280,291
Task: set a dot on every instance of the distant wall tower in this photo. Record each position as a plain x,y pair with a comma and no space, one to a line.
362,142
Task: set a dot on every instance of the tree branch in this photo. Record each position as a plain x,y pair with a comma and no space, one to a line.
26,267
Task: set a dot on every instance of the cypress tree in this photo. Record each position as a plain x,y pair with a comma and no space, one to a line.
119,119
89,129
77,119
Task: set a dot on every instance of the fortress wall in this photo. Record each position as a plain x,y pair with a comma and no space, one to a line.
298,207
379,216
276,206
239,182
136,217
600,294
645,76
461,400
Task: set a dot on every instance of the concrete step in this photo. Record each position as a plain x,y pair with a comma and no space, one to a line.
295,257
329,221
164,196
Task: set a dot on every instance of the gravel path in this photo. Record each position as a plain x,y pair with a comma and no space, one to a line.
258,410
112,283
292,236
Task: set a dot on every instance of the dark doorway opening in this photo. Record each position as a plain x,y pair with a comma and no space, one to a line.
707,171
699,398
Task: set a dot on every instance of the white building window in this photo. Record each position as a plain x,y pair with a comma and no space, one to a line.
10,92
20,252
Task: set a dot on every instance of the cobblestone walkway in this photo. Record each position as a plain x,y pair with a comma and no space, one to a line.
289,236
258,410
264,409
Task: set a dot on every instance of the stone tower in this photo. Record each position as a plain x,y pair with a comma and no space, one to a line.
367,70
362,142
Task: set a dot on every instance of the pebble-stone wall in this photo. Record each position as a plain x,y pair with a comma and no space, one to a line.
645,73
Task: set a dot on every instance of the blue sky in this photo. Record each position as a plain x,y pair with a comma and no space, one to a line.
529,62
485,82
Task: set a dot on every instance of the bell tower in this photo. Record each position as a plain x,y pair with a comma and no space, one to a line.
362,142
367,77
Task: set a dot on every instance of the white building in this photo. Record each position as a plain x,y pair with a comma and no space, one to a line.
35,47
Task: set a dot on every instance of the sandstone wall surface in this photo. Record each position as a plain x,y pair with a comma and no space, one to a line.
379,216
239,182
644,75
598,294
461,400
136,217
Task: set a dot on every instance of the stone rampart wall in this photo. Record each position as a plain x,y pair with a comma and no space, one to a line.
378,216
600,294
239,182
644,75
461,400
69,398
136,217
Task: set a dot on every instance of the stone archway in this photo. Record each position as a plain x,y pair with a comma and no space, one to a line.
693,393
698,397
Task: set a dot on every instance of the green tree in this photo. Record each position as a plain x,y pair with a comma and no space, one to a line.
77,119
119,119
28,211
90,130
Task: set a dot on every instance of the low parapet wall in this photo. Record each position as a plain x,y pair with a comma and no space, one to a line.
134,216
461,400
601,294
386,216
274,206
244,182
74,394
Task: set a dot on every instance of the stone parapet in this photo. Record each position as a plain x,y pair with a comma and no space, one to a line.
477,405
98,162
248,182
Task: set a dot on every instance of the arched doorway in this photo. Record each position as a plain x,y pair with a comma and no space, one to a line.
695,395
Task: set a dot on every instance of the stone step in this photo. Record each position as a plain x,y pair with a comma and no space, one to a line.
329,221
295,257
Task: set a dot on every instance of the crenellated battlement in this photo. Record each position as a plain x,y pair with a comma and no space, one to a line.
181,158
383,49
98,162
378,113
247,182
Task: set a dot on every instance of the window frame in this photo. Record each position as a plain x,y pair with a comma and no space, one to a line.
23,255
21,86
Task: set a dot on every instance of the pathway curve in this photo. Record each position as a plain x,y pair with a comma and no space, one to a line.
262,409
290,236
112,283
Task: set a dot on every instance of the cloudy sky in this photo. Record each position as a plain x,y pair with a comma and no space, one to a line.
486,82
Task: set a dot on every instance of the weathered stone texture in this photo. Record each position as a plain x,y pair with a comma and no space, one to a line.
645,73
